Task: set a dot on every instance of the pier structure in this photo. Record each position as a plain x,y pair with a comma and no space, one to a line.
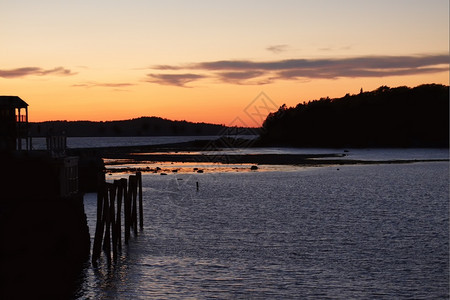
32,174
45,239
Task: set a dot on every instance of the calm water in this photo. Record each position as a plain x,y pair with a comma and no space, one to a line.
379,231
366,154
94,142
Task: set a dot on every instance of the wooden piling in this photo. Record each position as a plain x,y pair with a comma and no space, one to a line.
141,210
108,234
96,250
112,213
127,211
120,194
133,181
106,222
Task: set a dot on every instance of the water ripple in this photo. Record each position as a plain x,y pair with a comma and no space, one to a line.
361,232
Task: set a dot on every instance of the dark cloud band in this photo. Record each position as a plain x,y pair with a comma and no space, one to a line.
173,79
30,71
103,84
249,72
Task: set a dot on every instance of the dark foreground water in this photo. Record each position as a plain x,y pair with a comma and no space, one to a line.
379,231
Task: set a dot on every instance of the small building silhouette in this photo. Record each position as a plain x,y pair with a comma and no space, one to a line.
13,124
49,174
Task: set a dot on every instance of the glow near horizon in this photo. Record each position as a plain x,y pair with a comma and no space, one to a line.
108,53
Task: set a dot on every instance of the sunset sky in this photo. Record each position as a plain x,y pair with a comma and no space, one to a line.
207,61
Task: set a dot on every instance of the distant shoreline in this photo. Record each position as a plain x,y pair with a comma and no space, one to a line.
265,159
214,145
211,152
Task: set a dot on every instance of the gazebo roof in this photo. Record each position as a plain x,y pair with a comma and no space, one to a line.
12,101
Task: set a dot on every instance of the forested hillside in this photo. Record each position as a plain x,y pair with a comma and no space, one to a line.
145,126
385,117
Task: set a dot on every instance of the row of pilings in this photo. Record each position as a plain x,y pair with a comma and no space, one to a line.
108,229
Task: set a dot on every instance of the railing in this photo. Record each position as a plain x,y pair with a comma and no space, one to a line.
57,145
21,118
69,181
23,143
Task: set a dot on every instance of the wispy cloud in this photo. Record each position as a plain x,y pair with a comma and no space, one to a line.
325,73
371,66
35,71
367,62
332,48
166,67
242,77
263,72
174,79
277,49
92,84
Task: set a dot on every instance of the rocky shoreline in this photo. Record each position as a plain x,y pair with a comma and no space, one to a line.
204,151
267,159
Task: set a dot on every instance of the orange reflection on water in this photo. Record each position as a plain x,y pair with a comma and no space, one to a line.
167,168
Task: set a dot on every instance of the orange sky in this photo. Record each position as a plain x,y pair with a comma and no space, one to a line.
208,62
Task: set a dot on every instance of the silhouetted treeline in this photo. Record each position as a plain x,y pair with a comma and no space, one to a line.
145,126
385,117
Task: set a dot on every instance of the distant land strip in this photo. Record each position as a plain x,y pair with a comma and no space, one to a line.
143,126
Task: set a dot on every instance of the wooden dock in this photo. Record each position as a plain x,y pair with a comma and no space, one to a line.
108,231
